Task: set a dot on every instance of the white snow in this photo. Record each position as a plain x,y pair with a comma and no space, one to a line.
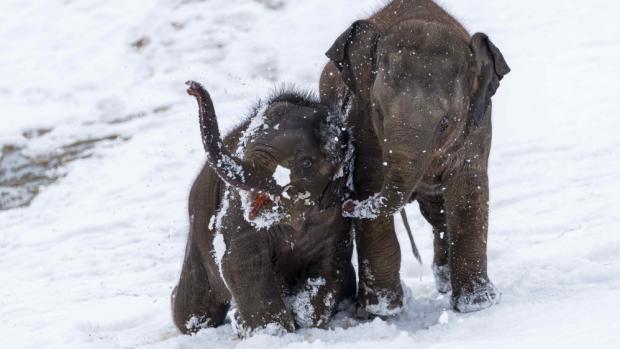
301,302
242,331
92,261
219,245
282,176
382,307
444,318
367,208
256,124
219,250
196,322
232,169
265,218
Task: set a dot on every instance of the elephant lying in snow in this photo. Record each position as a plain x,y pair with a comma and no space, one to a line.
279,247
419,90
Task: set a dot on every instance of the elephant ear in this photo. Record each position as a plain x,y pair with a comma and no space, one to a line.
336,145
354,55
493,68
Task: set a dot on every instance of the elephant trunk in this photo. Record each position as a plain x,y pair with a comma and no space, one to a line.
230,169
408,145
405,169
407,142
404,165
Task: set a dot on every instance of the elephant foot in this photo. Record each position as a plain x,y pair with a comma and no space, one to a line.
442,278
383,303
240,327
243,330
483,295
197,323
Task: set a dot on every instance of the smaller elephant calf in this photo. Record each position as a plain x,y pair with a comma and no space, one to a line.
266,227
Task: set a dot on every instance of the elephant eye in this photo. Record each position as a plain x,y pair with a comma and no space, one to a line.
305,163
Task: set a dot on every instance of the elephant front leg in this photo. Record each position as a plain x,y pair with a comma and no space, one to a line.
380,291
313,303
467,208
327,287
249,274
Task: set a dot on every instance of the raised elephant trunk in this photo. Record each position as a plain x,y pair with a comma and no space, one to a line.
230,169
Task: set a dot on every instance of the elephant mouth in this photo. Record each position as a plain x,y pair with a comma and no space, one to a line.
259,201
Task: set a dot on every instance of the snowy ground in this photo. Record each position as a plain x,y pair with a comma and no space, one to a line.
92,260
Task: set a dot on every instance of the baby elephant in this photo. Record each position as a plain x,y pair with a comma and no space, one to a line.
266,228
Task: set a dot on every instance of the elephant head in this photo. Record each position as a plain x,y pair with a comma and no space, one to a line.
290,157
423,85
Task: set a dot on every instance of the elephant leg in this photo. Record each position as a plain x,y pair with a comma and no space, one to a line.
314,302
433,210
249,273
380,291
379,287
467,206
338,274
196,303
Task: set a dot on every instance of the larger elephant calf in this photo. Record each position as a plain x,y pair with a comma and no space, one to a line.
419,90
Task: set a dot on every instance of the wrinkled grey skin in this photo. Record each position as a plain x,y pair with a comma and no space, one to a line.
307,250
419,88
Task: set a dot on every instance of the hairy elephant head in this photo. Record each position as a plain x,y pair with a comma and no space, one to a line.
422,84
290,157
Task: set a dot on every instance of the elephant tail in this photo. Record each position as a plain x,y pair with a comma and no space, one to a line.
414,248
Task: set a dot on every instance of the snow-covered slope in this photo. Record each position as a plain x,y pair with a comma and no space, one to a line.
91,262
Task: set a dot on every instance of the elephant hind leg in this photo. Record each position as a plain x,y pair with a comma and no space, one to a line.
433,210
196,304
